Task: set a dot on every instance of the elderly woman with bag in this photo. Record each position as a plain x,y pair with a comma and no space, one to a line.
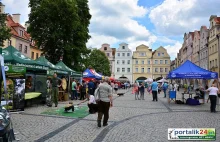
103,95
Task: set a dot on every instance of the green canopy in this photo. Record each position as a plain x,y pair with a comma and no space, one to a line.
53,68
61,65
13,56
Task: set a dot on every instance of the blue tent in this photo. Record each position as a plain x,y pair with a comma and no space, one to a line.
88,74
191,71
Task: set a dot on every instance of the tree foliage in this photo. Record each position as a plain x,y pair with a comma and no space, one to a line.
60,28
99,61
4,30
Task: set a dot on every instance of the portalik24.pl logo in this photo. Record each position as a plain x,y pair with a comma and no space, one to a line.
191,134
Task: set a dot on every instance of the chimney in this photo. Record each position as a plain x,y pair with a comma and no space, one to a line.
2,8
26,26
16,18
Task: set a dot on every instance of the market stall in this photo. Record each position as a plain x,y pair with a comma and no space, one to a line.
35,71
188,70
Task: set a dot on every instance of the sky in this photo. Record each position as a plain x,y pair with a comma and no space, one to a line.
151,22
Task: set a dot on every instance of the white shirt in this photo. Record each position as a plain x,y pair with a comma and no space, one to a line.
213,91
92,99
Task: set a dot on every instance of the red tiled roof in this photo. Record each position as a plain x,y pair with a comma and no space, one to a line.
12,25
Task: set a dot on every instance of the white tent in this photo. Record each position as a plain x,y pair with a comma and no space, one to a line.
149,80
162,80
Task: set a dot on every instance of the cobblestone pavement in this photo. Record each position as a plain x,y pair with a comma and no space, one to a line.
130,121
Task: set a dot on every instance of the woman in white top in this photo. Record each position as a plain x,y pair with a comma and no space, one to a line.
213,92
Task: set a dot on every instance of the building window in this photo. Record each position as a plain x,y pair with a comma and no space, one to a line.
105,48
166,69
156,69
128,54
148,61
21,33
142,62
136,61
128,61
36,55
166,61
148,70
123,54
155,61
107,54
158,54
142,70
161,61
161,69
20,47
123,47
32,55
142,54
128,70
162,54
9,42
118,54
136,69
123,62
118,62
25,49
118,69
216,63
123,69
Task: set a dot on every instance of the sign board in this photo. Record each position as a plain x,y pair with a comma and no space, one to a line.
15,70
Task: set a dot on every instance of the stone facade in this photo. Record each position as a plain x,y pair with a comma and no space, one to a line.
213,43
203,53
109,52
161,62
123,62
196,48
142,63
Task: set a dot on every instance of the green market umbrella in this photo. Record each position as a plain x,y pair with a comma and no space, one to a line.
61,65
13,56
52,67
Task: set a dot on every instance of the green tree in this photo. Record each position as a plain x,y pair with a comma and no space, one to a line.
4,30
60,28
99,61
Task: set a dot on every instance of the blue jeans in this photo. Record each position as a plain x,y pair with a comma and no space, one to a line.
74,95
165,91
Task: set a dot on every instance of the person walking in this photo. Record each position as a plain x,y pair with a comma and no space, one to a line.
135,91
116,87
154,87
165,86
213,92
55,85
83,90
142,88
74,90
104,95
91,87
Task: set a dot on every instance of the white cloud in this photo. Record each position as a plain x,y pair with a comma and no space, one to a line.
173,49
113,19
175,17
17,7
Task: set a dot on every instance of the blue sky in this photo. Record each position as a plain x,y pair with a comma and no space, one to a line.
151,22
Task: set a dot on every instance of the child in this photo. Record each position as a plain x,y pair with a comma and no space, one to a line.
142,88
69,107
135,91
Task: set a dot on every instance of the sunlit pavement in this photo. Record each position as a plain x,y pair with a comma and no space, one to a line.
130,121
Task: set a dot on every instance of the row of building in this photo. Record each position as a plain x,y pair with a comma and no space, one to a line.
142,64
202,47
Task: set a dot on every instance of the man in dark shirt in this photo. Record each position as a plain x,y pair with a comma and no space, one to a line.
55,85
91,87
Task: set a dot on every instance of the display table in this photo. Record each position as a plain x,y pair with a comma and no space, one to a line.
31,95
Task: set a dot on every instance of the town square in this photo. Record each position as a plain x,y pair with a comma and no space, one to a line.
109,70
